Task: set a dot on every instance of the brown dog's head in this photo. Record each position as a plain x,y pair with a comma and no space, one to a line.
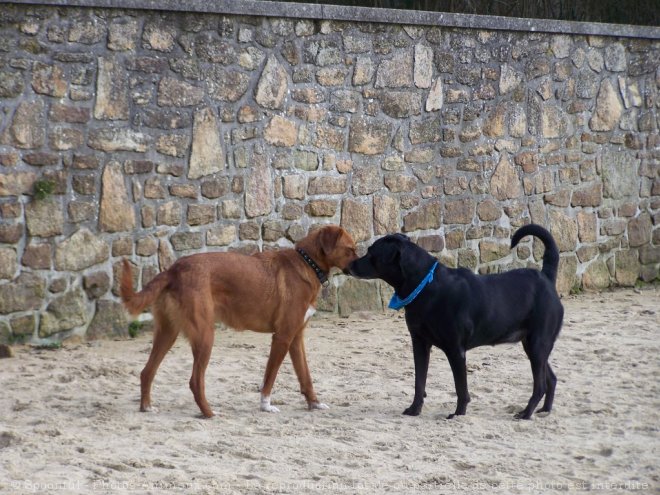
330,246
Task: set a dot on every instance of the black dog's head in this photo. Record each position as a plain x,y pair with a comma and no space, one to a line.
383,260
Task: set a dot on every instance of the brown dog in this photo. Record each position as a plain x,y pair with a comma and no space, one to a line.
273,291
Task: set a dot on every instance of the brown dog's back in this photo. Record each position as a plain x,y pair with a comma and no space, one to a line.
244,292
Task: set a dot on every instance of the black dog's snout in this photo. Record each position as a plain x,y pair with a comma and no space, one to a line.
361,268
349,270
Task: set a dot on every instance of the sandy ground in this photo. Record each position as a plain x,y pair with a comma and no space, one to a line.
69,420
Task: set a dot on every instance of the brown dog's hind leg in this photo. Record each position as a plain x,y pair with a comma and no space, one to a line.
299,360
201,349
163,338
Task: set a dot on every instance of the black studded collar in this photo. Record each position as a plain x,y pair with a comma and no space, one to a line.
320,274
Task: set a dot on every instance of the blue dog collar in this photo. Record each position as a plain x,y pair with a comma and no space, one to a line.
397,303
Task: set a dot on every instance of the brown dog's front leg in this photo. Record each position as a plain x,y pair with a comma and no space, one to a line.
299,360
278,349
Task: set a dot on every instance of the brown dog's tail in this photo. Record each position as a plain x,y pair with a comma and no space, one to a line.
551,254
136,302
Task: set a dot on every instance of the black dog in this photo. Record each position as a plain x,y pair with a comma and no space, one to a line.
456,310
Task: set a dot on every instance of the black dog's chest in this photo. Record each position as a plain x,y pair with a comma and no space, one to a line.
435,328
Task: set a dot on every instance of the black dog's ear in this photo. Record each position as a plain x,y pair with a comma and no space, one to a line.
404,259
395,243
391,254
401,244
386,249
410,255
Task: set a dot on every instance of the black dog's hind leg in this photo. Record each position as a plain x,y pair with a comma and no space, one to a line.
538,357
551,383
421,353
456,359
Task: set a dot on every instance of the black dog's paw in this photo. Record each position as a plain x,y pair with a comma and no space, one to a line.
413,410
523,415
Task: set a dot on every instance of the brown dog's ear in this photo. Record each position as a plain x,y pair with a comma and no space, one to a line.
328,238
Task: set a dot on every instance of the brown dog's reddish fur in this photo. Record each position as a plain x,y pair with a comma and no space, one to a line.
266,292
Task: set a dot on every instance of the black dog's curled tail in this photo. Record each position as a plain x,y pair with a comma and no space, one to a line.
551,255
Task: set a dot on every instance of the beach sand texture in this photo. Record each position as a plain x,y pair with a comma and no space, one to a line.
69,419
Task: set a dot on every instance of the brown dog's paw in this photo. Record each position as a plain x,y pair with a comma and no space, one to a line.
265,405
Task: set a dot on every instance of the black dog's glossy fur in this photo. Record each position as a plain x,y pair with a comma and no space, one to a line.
459,310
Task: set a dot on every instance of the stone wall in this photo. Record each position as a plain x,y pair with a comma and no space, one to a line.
152,135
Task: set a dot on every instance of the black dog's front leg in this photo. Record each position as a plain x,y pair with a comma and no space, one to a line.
456,359
422,353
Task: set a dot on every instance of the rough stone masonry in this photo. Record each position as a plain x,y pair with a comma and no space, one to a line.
152,135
